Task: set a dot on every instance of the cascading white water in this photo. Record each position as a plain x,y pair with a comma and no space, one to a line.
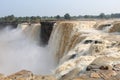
107,28
19,50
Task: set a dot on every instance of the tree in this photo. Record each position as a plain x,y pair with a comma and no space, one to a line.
86,16
57,17
9,18
102,15
67,16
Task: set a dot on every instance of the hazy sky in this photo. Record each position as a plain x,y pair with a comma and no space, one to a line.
54,7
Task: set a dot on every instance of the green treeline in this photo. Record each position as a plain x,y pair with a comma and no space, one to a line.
13,19
67,16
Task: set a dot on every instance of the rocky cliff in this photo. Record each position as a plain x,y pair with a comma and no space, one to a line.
46,29
11,25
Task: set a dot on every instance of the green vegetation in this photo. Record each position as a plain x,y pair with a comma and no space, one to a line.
36,19
67,16
13,19
57,17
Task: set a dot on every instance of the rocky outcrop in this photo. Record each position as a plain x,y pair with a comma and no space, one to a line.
46,29
11,25
115,27
101,71
102,24
27,75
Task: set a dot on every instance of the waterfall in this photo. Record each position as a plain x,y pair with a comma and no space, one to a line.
19,50
80,44
65,36
73,46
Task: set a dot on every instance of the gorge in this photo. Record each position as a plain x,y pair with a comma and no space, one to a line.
65,50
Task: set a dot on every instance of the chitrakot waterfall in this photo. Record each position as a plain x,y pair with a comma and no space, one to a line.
20,49
86,50
66,50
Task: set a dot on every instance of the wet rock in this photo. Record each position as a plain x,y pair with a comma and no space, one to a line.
116,67
104,67
98,42
46,29
92,67
88,41
73,56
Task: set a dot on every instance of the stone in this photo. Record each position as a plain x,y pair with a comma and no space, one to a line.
71,75
94,75
103,67
21,75
92,67
116,67
46,29
45,77
106,74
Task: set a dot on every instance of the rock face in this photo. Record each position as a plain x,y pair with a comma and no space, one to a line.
38,31
46,29
11,25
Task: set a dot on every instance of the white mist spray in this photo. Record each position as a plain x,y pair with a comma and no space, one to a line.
19,51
